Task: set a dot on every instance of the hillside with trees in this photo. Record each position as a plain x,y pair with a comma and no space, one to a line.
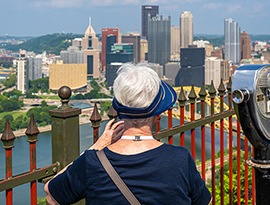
51,43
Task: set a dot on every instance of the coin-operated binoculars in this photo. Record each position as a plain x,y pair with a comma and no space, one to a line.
251,97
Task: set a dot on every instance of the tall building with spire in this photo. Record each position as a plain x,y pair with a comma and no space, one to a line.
147,10
186,29
91,53
245,46
232,40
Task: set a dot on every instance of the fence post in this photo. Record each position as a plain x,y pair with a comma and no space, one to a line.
8,139
65,130
32,134
95,119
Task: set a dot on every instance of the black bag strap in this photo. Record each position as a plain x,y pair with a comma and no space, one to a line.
117,179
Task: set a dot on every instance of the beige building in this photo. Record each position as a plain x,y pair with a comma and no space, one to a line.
119,34
208,49
186,29
215,69
144,48
91,53
245,47
175,42
72,75
225,71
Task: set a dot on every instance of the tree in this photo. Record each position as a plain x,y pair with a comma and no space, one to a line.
10,81
9,117
7,105
43,103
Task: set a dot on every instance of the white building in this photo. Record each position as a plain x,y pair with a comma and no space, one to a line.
212,71
186,29
21,75
200,43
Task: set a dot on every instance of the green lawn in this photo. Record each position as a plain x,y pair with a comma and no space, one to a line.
54,97
14,114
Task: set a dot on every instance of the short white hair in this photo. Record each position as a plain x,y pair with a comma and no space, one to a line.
136,85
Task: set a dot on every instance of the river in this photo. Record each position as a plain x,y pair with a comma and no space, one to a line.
21,194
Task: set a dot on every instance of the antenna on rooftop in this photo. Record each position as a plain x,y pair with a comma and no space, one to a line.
89,21
135,25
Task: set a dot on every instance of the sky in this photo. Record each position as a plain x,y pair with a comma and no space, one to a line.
41,17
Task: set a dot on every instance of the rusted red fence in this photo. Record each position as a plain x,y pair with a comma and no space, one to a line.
229,188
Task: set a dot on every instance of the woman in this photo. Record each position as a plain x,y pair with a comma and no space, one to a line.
155,173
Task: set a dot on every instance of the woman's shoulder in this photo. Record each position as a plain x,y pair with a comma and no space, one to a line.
176,149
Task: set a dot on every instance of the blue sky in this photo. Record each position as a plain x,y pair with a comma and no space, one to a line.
40,17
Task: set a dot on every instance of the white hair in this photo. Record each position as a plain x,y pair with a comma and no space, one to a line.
136,85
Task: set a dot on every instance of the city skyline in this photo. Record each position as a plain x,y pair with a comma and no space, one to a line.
41,17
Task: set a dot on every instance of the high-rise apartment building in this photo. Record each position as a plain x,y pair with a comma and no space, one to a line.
152,11
134,38
232,41
175,42
91,52
29,67
34,68
21,75
104,33
186,29
245,46
159,40
72,55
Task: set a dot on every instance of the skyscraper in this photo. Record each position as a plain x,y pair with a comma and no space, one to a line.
147,9
91,53
104,33
175,42
186,29
21,75
232,41
192,67
119,53
134,38
245,46
159,40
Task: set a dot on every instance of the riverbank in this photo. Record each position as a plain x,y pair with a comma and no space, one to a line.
82,120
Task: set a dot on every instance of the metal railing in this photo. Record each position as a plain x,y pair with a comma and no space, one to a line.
65,133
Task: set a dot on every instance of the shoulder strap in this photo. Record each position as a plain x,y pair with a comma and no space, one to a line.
116,178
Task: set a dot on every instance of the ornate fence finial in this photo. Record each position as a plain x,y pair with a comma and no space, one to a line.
229,86
212,91
202,92
221,88
95,117
32,130
182,97
8,136
112,113
64,93
192,95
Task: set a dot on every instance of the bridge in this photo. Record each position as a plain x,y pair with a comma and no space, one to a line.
217,106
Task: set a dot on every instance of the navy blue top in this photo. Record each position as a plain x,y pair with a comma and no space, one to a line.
163,175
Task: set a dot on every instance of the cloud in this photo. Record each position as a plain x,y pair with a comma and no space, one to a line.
234,7
59,3
212,6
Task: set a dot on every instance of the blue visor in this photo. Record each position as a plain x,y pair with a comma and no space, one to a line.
165,99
